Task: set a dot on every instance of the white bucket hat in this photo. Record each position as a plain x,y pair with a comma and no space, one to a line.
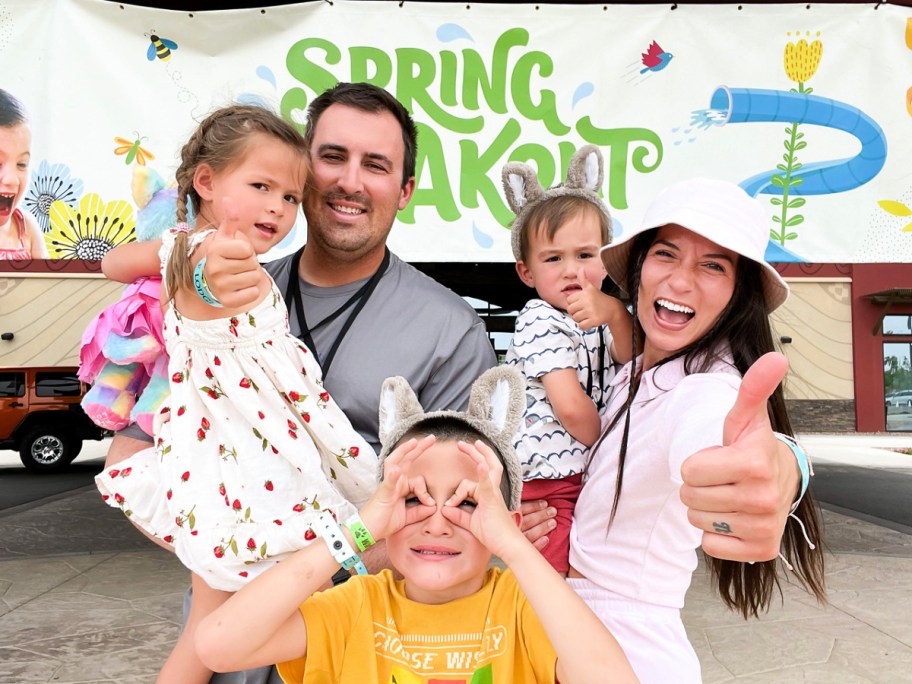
716,210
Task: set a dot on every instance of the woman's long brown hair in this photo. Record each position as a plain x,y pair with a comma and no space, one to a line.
743,328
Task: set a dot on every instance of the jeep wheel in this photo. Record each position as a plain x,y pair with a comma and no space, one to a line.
47,449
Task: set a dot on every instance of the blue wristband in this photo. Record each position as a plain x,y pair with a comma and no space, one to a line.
803,466
202,289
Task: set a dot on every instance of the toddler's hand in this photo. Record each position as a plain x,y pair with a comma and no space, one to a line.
399,500
489,520
232,270
590,307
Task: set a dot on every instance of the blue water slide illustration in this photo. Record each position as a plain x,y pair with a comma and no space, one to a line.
748,105
745,105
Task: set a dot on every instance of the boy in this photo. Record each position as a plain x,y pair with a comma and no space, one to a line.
561,343
441,507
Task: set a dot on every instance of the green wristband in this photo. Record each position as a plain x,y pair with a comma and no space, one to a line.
359,532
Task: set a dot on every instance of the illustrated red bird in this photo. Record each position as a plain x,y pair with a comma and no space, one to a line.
655,58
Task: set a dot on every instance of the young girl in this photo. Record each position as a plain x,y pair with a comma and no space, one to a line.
20,237
249,448
701,295
566,357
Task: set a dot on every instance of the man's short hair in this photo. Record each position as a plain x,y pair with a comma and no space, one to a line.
368,98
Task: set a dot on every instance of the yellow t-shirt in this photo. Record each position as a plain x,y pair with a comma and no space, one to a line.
367,631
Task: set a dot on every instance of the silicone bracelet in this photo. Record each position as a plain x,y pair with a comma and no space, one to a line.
359,532
803,465
202,289
341,550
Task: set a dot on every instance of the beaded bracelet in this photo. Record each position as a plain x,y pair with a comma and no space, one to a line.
201,287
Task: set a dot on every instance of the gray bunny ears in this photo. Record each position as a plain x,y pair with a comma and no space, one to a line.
585,176
496,405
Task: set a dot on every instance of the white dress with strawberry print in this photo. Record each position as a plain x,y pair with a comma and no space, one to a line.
248,449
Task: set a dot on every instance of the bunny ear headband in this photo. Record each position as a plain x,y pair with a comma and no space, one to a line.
523,191
496,406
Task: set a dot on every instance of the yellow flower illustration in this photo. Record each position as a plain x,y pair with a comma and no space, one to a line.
802,60
90,230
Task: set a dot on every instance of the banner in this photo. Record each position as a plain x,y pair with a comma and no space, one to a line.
807,107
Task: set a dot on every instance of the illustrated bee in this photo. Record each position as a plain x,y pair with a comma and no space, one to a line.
160,47
133,150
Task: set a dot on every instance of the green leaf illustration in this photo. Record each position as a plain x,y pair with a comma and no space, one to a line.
794,221
796,202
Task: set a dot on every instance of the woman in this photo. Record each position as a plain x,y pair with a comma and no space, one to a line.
701,295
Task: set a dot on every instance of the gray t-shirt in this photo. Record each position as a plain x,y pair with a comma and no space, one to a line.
410,326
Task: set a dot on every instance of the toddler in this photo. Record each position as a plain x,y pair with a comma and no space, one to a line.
566,341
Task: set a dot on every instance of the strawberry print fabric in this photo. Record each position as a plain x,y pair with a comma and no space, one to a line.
249,447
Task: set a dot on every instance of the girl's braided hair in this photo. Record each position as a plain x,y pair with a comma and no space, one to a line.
220,141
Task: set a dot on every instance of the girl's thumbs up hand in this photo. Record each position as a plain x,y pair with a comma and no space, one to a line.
232,270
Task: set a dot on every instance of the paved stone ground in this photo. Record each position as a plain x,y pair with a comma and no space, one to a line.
84,599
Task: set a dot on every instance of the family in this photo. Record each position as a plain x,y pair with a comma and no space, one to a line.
337,415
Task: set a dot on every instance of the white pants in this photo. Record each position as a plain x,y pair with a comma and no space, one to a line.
652,636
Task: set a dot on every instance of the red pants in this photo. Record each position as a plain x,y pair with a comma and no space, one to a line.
562,495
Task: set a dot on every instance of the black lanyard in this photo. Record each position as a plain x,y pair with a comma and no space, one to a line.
358,299
601,368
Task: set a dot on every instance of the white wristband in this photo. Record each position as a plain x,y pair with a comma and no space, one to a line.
327,527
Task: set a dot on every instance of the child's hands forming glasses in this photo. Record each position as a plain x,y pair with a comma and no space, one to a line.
399,500
478,505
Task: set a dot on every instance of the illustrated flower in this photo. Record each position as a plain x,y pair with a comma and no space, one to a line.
51,183
802,60
91,230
